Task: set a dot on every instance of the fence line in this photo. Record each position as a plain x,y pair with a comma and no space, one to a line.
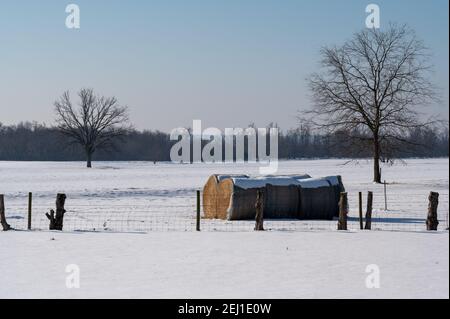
148,217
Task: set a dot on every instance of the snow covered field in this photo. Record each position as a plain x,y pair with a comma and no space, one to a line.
121,199
142,196
325,264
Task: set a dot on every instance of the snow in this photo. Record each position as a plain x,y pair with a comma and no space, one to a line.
223,177
142,196
333,180
146,247
313,183
259,182
247,183
325,264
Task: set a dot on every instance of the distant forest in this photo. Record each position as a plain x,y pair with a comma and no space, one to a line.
37,142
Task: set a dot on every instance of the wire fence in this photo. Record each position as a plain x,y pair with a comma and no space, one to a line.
180,215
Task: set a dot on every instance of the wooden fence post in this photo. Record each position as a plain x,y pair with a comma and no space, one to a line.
5,225
369,211
361,221
198,212
56,220
385,197
30,200
259,207
343,212
432,218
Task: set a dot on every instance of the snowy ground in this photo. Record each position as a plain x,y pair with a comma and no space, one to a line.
173,261
140,196
322,264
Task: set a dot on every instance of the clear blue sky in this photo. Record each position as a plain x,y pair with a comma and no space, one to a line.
228,62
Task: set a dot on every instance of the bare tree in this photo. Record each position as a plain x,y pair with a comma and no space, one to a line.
372,86
95,123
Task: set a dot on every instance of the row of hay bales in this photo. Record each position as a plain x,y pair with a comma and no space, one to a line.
232,197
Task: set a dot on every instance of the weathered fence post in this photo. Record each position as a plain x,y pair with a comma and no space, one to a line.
56,220
343,212
361,221
385,197
5,225
198,212
369,211
259,206
30,200
432,219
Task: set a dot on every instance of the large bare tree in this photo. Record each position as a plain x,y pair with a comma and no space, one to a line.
372,87
94,123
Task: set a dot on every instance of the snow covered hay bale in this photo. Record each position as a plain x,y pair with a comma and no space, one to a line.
215,200
319,197
281,197
286,197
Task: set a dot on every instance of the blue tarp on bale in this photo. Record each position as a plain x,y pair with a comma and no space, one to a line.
303,198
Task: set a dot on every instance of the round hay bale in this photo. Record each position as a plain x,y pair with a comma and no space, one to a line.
210,197
224,192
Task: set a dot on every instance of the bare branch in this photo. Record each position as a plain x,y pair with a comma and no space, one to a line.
96,123
373,84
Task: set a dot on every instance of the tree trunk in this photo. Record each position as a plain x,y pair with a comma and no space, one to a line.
259,206
2,214
88,159
432,219
56,220
343,212
376,160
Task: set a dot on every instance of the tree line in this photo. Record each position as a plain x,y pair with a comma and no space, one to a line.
365,102
38,142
